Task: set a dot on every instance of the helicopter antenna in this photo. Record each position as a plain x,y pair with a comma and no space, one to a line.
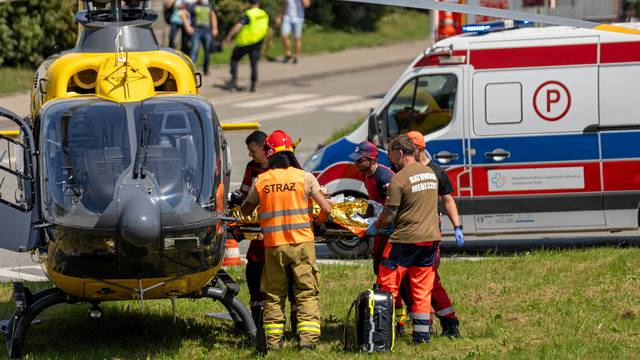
119,48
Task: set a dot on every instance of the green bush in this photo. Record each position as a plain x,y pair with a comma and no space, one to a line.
30,28
345,16
326,13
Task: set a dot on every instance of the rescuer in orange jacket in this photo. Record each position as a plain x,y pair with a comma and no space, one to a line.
284,194
412,206
255,254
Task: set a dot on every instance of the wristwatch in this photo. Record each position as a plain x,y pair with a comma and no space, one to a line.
457,227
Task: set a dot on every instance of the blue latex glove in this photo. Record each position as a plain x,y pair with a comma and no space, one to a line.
371,229
388,230
459,236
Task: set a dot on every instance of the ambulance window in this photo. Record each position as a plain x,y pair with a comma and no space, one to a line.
503,103
400,108
424,104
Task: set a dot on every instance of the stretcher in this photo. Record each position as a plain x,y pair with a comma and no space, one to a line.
347,221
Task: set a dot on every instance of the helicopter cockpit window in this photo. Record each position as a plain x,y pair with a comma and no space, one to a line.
92,148
424,104
175,153
86,149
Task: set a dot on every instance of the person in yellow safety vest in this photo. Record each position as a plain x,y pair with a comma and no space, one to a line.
284,194
249,32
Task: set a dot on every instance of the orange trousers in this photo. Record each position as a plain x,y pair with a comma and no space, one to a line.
416,262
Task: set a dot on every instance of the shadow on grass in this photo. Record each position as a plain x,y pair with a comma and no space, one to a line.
124,331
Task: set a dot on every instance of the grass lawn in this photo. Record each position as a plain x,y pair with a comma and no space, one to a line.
580,304
15,79
344,131
396,27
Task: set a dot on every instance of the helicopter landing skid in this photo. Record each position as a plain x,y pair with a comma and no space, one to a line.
225,290
28,306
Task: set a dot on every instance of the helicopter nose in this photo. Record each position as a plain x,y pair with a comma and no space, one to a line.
140,220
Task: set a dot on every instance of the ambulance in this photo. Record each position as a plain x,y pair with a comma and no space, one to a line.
537,128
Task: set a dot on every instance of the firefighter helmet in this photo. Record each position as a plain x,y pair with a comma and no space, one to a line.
278,141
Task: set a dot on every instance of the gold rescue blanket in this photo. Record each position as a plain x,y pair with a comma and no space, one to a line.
347,214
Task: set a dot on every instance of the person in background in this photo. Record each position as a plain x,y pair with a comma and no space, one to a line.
412,207
202,27
285,193
175,22
291,18
440,300
181,16
249,34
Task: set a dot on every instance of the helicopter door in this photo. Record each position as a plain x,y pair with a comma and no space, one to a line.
17,185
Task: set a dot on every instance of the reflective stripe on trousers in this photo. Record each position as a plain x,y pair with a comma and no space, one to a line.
421,323
276,329
445,311
310,326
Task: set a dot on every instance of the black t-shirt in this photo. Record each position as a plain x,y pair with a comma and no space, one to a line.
444,184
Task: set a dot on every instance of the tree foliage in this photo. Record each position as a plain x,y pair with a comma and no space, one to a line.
326,13
345,15
31,28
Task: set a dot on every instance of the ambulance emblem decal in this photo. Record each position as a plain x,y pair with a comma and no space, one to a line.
498,180
552,100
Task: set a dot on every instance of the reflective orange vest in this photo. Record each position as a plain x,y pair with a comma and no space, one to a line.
285,209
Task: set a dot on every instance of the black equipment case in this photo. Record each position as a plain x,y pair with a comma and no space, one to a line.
374,330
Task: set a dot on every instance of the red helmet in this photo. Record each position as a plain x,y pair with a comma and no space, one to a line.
278,141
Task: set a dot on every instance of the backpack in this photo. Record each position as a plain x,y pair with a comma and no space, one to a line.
374,320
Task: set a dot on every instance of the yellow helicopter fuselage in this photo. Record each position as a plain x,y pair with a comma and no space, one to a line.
119,77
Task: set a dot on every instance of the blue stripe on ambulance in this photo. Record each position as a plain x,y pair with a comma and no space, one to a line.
528,149
523,149
620,145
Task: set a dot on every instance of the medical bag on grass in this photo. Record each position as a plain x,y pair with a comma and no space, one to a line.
374,317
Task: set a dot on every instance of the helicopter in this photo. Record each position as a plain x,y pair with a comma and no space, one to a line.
118,180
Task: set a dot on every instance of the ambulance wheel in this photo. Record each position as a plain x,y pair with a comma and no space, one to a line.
350,248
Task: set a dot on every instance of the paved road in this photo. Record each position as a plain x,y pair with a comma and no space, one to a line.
309,110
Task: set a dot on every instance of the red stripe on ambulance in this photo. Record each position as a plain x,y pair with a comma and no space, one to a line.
535,56
539,56
343,170
619,52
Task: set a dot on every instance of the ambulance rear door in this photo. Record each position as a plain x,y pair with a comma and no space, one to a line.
533,165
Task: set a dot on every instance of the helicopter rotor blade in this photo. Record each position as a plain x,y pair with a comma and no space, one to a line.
498,13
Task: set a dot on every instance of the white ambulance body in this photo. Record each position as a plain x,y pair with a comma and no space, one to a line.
537,128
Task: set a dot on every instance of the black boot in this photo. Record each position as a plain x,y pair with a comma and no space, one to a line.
253,87
231,85
450,327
